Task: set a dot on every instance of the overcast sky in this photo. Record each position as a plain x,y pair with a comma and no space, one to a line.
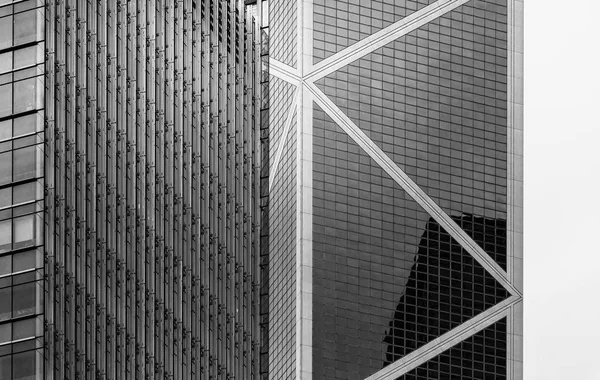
562,189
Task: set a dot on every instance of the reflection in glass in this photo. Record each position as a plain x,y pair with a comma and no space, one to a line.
24,300
5,99
25,27
24,366
445,285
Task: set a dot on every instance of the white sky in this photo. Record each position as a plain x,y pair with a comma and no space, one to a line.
562,189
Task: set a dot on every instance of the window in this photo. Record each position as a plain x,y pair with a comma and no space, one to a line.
24,366
26,95
5,235
5,32
23,329
25,27
5,99
23,231
24,163
24,261
24,299
5,304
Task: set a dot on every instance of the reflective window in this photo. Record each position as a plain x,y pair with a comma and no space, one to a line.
24,299
23,231
5,32
5,304
6,367
25,27
24,163
5,100
26,95
5,235
24,366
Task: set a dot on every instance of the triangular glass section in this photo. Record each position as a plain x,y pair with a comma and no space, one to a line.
282,263
482,356
384,272
435,102
341,23
281,98
283,31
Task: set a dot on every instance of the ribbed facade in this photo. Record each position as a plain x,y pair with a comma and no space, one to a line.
130,190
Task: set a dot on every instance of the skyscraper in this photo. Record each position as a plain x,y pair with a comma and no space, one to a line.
130,157
395,189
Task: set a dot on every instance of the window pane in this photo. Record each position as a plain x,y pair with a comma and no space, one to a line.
5,303
23,231
24,365
5,333
6,61
5,235
25,27
5,99
5,265
5,129
5,197
27,124
24,261
23,329
24,163
25,95
26,57
5,367
24,300
25,192
5,32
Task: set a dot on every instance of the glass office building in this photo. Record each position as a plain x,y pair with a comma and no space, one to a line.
395,189
130,190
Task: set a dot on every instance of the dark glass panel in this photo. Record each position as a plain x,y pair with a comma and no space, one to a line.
435,102
375,250
482,356
341,23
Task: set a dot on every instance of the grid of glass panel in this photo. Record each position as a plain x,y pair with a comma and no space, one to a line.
282,264
21,189
341,23
283,29
445,285
369,259
435,102
482,356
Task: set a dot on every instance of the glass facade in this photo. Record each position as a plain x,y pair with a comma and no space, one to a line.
341,23
435,102
407,187
21,189
387,278
482,356
153,191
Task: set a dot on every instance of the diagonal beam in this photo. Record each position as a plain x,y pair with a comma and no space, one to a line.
411,188
283,71
446,341
283,138
382,38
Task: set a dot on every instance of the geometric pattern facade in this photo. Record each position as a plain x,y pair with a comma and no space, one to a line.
482,356
435,102
282,264
380,265
339,24
152,193
409,188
